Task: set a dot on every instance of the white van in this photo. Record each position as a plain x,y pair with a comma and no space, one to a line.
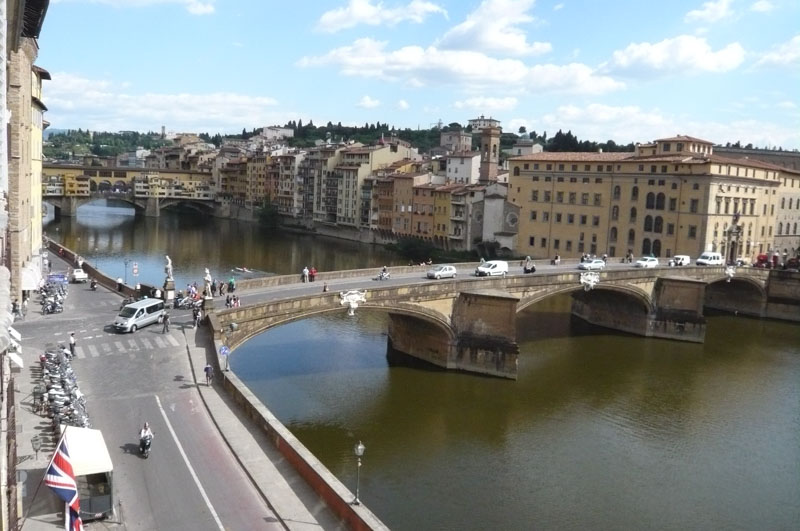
492,268
710,259
138,314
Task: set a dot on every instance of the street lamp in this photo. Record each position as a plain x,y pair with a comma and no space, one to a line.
358,449
126,261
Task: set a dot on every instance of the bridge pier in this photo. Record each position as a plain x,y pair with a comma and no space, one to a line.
152,209
783,295
484,339
68,207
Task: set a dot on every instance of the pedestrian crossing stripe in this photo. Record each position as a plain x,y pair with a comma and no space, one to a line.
160,342
79,353
173,341
93,351
119,346
111,348
133,344
147,343
106,348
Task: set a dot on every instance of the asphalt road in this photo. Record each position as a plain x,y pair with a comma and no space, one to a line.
191,479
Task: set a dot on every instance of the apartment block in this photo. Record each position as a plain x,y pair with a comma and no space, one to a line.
671,196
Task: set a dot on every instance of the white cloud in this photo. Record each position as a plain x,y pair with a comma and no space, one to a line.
195,7
762,6
679,54
75,101
558,7
365,12
710,12
368,103
417,66
482,103
787,104
783,54
403,105
494,27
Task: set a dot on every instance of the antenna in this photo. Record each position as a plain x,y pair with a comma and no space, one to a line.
437,125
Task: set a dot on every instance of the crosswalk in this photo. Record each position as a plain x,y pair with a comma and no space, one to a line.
128,346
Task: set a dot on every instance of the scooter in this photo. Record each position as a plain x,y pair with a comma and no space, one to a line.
383,276
144,445
93,285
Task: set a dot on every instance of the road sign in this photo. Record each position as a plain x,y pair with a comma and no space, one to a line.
224,350
136,269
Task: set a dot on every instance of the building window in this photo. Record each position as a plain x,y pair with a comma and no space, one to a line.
658,225
525,166
595,221
598,198
556,244
574,167
599,167
585,199
648,223
558,217
549,167
569,245
660,198
580,247
545,216
656,250
670,229
666,146
560,167
673,204
652,168
559,179
570,218
646,247
548,179
694,205
585,180
617,192
631,236
559,197
543,242
641,167
533,215
696,186
614,213
633,214
534,195
635,193
516,171
650,202
583,220
664,168
612,235
572,196
547,196
532,241
535,165
586,167
692,232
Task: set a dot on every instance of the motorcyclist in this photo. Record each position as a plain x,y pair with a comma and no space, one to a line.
93,284
144,434
384,273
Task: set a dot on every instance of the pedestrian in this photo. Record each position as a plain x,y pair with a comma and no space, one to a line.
209,370
324,287
232,285
305,274
15,309
195,312
119,283
228,301
166,323
222,288
237,302
213,288
49,266
312,273
72,344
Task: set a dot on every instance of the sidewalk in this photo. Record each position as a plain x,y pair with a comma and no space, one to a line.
287,494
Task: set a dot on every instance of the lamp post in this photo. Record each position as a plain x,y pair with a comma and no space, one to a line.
126,261
358,449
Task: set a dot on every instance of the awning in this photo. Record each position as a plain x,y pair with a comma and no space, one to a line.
16,358
31,276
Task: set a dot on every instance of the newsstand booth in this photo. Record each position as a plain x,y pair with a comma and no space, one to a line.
93,471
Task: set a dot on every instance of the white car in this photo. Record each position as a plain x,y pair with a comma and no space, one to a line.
78,275
492,268
646,261
592,265
680,260
442,271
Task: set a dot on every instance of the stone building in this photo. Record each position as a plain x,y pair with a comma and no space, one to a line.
672,196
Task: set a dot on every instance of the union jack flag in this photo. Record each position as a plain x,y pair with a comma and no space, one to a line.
61,479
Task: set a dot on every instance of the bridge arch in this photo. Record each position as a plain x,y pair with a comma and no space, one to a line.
738,294
632,292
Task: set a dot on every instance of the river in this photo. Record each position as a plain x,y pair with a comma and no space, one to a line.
601,429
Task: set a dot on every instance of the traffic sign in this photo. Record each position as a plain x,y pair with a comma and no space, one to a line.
136,269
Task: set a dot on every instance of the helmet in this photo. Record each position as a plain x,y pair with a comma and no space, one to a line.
146,425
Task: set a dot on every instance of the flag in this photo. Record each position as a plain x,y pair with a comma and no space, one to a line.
61,479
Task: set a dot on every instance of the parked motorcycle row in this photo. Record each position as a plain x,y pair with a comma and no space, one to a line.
185,302
52,297
58,395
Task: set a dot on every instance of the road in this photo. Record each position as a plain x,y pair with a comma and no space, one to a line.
191,480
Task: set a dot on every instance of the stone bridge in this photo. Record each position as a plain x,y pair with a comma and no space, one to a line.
149,206
469,324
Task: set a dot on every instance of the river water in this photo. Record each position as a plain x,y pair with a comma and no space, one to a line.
601,430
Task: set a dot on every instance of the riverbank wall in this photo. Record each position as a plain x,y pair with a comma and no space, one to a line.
332,491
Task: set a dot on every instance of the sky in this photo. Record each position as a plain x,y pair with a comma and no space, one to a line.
622,70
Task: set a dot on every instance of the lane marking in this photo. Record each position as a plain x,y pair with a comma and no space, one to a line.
189,466
173,341
159,342
120,346
146,343
133,344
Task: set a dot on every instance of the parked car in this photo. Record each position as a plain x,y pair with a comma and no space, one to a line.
138,314
492,268
710,259
78,275
680,260
595,264
646,261
442,271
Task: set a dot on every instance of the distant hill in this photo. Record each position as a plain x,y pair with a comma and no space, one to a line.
47,132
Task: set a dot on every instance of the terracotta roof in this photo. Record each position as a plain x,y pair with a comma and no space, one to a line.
752,163
574,156
683,138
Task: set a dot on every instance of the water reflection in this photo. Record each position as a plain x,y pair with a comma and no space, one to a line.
601,429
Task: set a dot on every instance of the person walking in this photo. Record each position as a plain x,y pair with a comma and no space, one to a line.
312,273
305,274
166,323
213,288
209,370
198,316
72,344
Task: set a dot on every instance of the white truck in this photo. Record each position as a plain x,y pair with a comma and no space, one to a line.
78,275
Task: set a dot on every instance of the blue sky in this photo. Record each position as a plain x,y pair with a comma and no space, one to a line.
626,70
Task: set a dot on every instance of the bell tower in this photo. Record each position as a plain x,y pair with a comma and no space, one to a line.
490,153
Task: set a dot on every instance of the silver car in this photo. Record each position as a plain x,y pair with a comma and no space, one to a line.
442,271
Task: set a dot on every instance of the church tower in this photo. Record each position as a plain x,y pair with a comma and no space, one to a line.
490,153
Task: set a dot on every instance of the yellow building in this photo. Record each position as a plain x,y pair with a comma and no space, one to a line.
672,196
423,206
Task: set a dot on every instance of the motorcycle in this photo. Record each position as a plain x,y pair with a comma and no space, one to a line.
144,445
383,275
93,285
52,307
